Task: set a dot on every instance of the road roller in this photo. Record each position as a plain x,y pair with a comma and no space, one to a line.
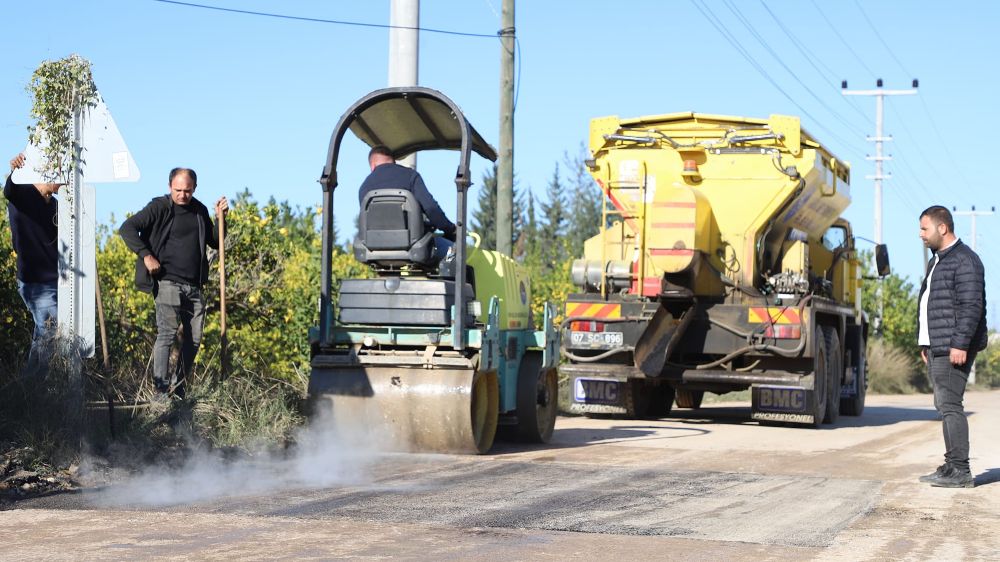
427,354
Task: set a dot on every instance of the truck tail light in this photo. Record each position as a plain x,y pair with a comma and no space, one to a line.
783,331
586,326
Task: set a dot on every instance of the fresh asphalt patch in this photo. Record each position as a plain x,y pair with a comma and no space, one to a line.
474,492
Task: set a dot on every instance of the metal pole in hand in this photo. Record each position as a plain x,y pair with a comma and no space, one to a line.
224,353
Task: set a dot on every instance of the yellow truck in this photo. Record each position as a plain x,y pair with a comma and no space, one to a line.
721,264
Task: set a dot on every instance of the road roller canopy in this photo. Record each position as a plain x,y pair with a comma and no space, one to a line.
408,120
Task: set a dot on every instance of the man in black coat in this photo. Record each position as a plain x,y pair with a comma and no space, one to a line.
951,330
170,235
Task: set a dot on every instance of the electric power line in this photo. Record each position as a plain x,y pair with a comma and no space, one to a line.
944,144
879,37
746,23
728,36
841,37
815,62
321,20
916,144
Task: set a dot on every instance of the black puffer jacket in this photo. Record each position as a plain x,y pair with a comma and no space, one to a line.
956,306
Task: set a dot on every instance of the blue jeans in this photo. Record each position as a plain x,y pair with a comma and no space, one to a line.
40,298
178,305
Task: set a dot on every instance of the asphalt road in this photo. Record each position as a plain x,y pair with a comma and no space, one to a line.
708,484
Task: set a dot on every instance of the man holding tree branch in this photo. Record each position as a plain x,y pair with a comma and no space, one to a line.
34,213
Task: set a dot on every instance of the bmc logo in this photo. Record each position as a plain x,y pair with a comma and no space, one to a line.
596,391
781,399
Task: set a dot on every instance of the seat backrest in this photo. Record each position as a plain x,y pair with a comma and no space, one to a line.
391,229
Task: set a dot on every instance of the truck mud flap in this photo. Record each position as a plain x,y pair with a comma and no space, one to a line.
598,394
791,404
660,338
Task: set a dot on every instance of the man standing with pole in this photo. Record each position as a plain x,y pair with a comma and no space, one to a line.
951,330
170,235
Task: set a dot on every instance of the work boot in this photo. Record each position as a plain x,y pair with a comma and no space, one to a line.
955,478
938,473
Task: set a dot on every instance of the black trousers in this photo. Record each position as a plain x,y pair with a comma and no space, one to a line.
949,392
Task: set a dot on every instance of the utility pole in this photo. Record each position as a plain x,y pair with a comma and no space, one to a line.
505,166
973,213
879,95
878,139
404,46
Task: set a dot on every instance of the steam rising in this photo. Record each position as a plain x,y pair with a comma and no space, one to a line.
324,456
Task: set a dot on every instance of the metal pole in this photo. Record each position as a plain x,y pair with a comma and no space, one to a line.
404,47
505,163
879,138
879,103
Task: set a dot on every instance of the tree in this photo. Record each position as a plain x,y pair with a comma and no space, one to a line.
552,230
585,206
899,308
484,218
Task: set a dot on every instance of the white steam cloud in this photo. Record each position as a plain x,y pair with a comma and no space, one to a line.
324,456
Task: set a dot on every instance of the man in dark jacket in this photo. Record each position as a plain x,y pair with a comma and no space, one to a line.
951,330
33,213
387,174
170,235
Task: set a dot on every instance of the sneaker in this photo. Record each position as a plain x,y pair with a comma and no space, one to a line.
955,478
935,475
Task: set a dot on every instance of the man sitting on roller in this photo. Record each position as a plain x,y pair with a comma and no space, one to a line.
387,174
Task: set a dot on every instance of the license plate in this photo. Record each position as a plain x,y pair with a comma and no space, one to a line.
597,391
596,340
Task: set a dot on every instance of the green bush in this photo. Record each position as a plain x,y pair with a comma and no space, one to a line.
272,295
988,364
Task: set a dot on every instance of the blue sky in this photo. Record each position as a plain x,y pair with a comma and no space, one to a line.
249,101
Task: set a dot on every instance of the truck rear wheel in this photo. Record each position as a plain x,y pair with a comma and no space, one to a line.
821,386
834,373
689,398
855,405
647,399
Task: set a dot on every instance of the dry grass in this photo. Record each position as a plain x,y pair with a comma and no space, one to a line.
893,371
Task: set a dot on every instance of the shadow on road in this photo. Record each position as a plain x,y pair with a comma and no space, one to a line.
874,416
989,477
581,437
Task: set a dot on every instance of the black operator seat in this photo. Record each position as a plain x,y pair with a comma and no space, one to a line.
392,231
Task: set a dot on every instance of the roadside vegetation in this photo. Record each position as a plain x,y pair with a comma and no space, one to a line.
273,273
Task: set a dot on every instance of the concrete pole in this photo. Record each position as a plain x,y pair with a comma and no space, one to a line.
879,95
879,106
404,47
505,165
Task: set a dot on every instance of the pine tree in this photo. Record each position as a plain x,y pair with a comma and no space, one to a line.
527,246
585,209
552,230
484,217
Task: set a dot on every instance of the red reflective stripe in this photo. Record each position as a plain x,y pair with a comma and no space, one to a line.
606,310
